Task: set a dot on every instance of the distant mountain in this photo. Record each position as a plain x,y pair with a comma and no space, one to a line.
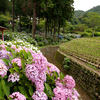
79,13
94,9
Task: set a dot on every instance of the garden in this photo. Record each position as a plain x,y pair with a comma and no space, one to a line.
25,74
87,51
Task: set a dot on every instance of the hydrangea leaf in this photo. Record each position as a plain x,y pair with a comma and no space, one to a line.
1,95
6,89
6,61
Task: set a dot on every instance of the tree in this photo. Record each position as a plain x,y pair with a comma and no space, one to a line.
92,20
4,6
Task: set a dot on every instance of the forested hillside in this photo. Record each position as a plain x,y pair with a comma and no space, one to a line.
79,13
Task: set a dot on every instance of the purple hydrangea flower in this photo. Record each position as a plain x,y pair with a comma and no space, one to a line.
13,77
39,96
4,54
17,96
3,70
18,61
31,72
69,82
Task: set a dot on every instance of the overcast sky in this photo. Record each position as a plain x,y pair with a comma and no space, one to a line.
85,4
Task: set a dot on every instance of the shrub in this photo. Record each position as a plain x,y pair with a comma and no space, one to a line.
96,33
89,30
26,74
39,38
40,44
66,63
86,34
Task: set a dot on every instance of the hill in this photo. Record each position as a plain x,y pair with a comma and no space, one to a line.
79,13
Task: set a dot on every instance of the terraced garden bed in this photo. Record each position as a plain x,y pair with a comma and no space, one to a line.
85,49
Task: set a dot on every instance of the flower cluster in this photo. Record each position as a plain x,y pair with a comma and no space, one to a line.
3,70
17,96
39,96
13,77
65,89
52,68
34,71
18,62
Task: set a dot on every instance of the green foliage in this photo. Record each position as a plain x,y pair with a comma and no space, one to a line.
88,30
12,36
79,13
96,34
40,44
39,38
84,47
66,63
86,34
3,20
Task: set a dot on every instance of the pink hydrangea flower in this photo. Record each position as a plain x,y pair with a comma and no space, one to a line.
52,68
17,96
39,96
3,46
18,61
3,70
31,72
42,76
39,85
4,54
59,94
40,61
14,47
13,77
69,82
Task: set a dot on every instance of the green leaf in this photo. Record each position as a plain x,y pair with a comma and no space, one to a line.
25,54
16,69
23,90
61,76
16,88
11,70
29,55
0,85
56,74
48,90
21,53
10,58
1,95
23,64
14,64
31,90
6,89
7,48
6,61
13,51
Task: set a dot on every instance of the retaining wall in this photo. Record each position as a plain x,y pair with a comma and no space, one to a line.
86,78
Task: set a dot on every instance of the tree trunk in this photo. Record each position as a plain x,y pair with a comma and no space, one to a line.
20,23
30,24
34,17
51,27
54,31
46,26
93,32
58,30
13,16
63,29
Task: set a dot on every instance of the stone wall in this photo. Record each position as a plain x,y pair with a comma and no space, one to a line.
86,78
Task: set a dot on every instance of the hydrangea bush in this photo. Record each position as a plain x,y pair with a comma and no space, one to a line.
25,74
